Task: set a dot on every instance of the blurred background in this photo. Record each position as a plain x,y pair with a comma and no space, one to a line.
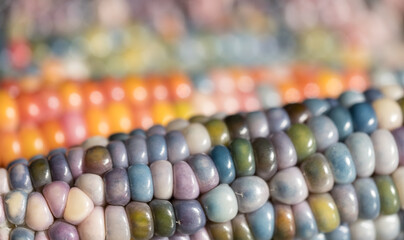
96,38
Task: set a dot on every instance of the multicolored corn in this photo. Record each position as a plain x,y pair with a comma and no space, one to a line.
318,169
